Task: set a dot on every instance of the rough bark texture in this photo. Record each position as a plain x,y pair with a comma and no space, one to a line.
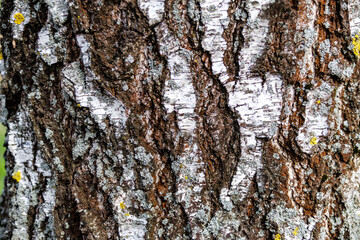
181,119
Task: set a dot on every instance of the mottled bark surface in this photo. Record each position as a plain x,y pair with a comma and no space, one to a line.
175,119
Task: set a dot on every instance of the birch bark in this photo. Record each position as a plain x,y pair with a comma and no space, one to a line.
180,119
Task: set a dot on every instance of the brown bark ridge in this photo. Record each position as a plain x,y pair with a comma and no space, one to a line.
180,119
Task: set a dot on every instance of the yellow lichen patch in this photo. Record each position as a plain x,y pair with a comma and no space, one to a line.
181,166
78,105
296,231
313,140
1,56
126,214
186,177
356,43
17,176
19,18
122,205
318,102
277,237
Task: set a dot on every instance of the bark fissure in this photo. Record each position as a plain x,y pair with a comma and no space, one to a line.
177,119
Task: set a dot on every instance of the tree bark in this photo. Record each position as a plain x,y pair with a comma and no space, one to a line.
180,119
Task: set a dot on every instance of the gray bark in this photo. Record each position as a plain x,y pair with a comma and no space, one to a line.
180,119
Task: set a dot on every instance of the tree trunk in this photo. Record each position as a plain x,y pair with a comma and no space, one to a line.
175,119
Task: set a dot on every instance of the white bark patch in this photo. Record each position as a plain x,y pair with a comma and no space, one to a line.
179,93
84,46
291,181
3,110
133,228
180,96
257,102
225,199
354,16
58,10
255,33
259,106
351,192
153,9
21,146
100,105
215,19
316,116
22,152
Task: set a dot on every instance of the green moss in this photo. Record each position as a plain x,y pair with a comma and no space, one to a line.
2,160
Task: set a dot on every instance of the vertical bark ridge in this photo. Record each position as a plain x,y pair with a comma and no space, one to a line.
181,119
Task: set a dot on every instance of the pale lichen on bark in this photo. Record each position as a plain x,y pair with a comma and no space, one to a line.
181,119
22,8
317,110
35,172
